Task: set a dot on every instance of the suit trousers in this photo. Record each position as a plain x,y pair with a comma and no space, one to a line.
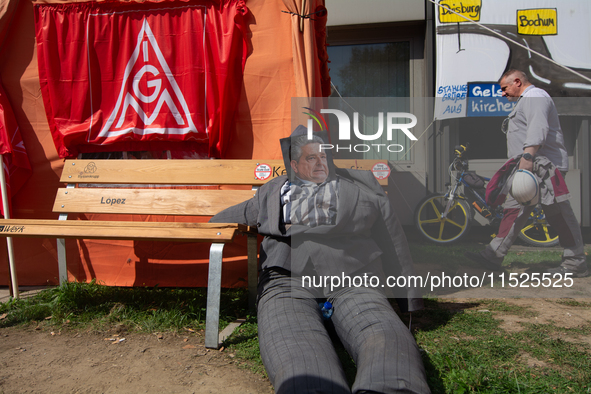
299,355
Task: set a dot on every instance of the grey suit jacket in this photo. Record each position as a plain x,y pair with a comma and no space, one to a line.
366,229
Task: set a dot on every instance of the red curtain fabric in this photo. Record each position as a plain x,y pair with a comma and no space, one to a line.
264,116
140,76
17,168
310,58
320,18
7,11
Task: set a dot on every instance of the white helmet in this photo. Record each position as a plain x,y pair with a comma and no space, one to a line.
525,188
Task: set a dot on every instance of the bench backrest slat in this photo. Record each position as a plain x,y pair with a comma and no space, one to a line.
184,172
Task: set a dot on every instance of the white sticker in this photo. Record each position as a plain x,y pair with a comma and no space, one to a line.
262,172
381,171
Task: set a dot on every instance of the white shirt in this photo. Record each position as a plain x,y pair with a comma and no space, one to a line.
534,121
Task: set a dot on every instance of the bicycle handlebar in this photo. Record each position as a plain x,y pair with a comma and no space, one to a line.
459,150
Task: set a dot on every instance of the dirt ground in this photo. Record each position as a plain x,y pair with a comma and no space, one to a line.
41,361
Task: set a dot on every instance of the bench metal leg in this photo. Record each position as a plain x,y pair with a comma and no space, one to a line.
12,265
62,265
214,284
61,260
252,270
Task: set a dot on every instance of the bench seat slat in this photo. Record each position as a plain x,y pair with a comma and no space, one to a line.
161,231
194,202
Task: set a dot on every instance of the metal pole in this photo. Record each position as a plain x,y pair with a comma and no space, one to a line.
6,208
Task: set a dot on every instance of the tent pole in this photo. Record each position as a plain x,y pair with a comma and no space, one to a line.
6,208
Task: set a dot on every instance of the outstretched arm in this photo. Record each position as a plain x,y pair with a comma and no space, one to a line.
243,213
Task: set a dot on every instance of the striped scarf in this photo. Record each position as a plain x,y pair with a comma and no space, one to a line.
309,204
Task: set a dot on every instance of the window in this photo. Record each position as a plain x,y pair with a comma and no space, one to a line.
372,71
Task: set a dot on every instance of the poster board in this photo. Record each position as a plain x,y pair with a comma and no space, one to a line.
472,54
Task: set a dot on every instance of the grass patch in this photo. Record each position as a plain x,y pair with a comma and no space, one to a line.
143,309
448,257
538,259
469,353
510,309
452,256
584,330
572,302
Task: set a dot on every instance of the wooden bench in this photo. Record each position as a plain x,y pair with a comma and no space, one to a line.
115,187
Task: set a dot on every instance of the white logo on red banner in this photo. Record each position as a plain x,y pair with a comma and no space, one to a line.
262,172
381,171
143,112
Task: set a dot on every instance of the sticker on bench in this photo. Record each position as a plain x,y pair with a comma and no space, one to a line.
88,171
90,168
381,171
113,201
262,172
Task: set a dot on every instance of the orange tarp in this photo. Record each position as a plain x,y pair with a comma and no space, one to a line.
283,62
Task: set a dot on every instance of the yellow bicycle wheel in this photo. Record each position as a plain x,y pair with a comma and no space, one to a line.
431,224
537,231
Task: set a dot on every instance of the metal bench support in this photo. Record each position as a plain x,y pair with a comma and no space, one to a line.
214,284
62,264
61,260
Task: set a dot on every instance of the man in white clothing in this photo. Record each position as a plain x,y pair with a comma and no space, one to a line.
533,129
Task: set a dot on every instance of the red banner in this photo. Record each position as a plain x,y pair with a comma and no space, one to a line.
124,76
16,166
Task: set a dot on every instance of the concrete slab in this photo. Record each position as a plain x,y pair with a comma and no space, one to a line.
25,291
226,332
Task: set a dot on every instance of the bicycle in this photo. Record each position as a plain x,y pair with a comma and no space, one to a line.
444,218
